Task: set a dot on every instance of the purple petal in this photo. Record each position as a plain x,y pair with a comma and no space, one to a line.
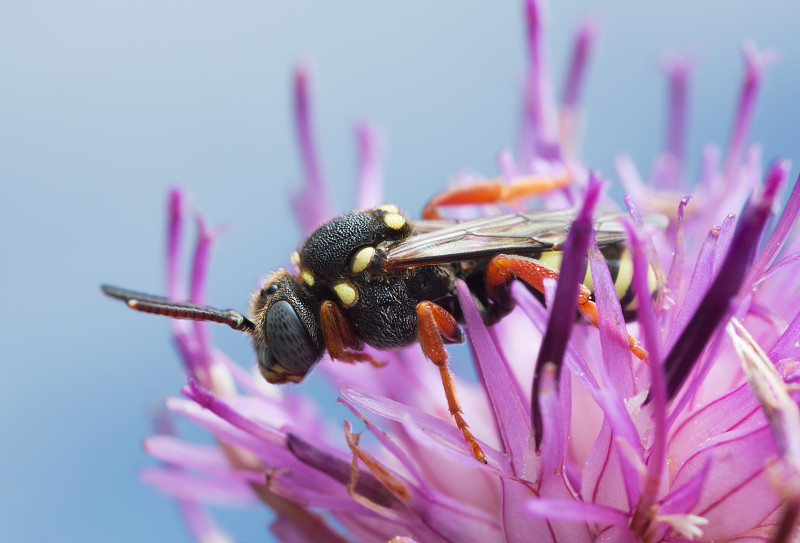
174,238
678,73
437,482
172,450
685,352
552,481
778,238
185,485
201,362
647,324
181,330
339,468
507,164
684,498
227,433
739,493
562,316
608,479
297,525
538,132
709,178
312,204
630,179
207,400
787,340
516,526
429,424
201,524
738,408
723,243
576,511
611,323
369,192
508,407
582,46
755,63
676,268
439,511
698,286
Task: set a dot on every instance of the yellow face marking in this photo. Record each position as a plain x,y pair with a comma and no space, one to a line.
308,277
389,208
362,259
295,259
347,293
394,221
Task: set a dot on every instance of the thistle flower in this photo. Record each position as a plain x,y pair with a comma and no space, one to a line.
699,442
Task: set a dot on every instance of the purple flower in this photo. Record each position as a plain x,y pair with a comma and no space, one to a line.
584,441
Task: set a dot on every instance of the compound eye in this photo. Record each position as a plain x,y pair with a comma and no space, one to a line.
288,339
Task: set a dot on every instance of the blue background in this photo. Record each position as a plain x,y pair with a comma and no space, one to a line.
105,104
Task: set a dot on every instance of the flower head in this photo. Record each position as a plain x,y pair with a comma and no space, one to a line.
583,441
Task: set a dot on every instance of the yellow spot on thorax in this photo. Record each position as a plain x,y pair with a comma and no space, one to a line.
394,221
362,259
346,293
308,277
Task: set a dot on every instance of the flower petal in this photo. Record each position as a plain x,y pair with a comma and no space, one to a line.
552,481
370,176
575,511
562,315
430,425
185,485
685,352
509,411
312,204
738,493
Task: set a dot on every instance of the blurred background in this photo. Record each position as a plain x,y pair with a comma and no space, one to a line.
105,105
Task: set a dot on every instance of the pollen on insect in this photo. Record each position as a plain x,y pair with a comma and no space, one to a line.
389,208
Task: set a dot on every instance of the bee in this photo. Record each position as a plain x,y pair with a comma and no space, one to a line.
374,277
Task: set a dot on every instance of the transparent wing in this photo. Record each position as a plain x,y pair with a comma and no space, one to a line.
441,242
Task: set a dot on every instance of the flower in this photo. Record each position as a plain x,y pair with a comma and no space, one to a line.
701,441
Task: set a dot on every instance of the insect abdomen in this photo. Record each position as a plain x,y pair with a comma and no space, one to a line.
620,265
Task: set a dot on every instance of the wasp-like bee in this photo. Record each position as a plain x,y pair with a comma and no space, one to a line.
375,277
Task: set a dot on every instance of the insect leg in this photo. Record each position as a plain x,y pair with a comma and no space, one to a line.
434,322
493,191
502,269
340,340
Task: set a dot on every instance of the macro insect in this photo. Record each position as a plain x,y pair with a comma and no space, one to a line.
374,277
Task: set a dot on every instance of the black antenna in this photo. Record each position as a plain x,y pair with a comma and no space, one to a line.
179,310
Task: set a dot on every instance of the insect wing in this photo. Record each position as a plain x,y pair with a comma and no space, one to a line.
488,236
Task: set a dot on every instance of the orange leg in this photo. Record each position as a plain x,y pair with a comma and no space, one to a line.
493,191
503,268
340,340
434,322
